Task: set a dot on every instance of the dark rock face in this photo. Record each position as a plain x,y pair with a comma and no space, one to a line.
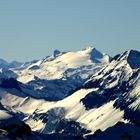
64,87
56,53
10,83
117,132
134,59
15,127
58,137
97,133
18,131
93,100
119,124
34,68
95,55
92,84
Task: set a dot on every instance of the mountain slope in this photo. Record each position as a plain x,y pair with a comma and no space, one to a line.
11,126
110,96
119,81
58,75
106,106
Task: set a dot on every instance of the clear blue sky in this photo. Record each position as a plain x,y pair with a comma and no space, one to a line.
32,29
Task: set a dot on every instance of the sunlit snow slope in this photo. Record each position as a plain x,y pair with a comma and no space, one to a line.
106,105
58,75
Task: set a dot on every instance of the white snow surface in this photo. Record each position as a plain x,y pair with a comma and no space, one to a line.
4,115
69,108
56,76
55,68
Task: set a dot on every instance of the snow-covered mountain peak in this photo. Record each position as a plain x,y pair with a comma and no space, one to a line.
132,57
121,68
72,68
61,61
91,49
96,56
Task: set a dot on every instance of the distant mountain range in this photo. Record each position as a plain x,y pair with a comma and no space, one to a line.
83,95
13,64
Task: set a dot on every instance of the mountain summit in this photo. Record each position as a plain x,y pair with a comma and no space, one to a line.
70,69
132,57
